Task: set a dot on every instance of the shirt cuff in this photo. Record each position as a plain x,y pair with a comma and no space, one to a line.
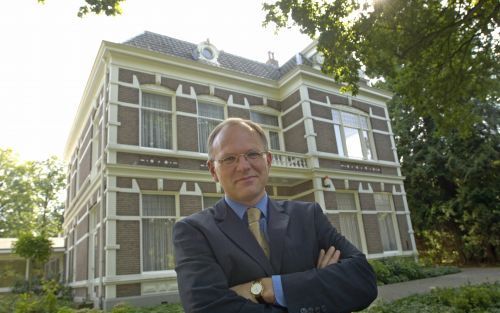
278,290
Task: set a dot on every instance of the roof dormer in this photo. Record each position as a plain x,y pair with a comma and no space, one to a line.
206,51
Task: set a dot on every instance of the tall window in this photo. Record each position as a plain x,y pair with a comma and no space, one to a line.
158,218
270,124
209,116
349,227
209,201
352,134
156,121
385,221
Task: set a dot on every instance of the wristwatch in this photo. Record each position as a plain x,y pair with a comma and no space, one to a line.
256,289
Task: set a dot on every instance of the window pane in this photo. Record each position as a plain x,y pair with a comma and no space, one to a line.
205,127
265,119
387,233
349,119
210,110
368,146
353,143
274,140
349,228
338,138
156,129
157,247
364,122
158,205
156,101
336,116
345,201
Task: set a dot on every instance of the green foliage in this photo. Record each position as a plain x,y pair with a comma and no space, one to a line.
400,269
29,246
108,7
452,184
440,56
29,195
35,249
466,299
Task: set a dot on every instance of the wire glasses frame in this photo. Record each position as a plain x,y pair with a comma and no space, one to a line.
233,159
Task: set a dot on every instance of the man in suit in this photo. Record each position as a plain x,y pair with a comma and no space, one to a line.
284,256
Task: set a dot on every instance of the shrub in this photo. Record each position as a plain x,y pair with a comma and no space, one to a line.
400,269
466,299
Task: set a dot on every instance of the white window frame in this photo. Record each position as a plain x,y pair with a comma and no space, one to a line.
143,218
388,213
169,113
202,146
270,128
361,244
365,134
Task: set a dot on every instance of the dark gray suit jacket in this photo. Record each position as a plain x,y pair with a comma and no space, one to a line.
214,250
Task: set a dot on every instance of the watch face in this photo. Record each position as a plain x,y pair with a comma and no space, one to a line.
256,288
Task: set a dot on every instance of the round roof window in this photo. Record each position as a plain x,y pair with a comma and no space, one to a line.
207,53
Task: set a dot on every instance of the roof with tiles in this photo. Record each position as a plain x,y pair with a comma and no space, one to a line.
179,48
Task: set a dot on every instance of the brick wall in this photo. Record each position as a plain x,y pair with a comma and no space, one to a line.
294,139
290,100
127,204
190,204
125,75
384,147
366,201
128,131
127,257
81,256
292,116
379,124
372,233
320,96
325,139
398,202
187,105
187,133
238,112
128,94
335,220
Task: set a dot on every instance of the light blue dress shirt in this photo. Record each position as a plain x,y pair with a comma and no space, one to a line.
240,210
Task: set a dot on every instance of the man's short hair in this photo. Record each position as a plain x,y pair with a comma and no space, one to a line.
235,121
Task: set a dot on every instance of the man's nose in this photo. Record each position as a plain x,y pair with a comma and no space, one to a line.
242,162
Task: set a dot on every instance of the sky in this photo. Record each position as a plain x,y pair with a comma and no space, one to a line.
47,54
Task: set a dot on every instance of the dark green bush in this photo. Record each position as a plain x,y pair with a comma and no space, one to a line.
400,269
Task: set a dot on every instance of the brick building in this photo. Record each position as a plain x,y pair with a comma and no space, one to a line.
137,154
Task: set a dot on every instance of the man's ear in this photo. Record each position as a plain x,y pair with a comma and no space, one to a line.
211,169
269,159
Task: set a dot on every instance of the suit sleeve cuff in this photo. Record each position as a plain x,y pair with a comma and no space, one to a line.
278,290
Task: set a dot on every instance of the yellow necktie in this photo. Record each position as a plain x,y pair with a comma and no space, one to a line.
254,226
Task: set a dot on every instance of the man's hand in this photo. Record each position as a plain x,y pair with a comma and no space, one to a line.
243,290
331,256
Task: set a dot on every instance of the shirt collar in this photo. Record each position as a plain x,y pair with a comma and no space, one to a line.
240,209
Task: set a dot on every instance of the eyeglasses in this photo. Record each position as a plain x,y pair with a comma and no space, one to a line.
232,159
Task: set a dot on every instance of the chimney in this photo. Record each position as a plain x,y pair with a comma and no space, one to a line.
271,61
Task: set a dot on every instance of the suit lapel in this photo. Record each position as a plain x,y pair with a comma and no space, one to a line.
276,229
237,231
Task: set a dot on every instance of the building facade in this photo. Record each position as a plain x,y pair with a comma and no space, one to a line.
137,158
